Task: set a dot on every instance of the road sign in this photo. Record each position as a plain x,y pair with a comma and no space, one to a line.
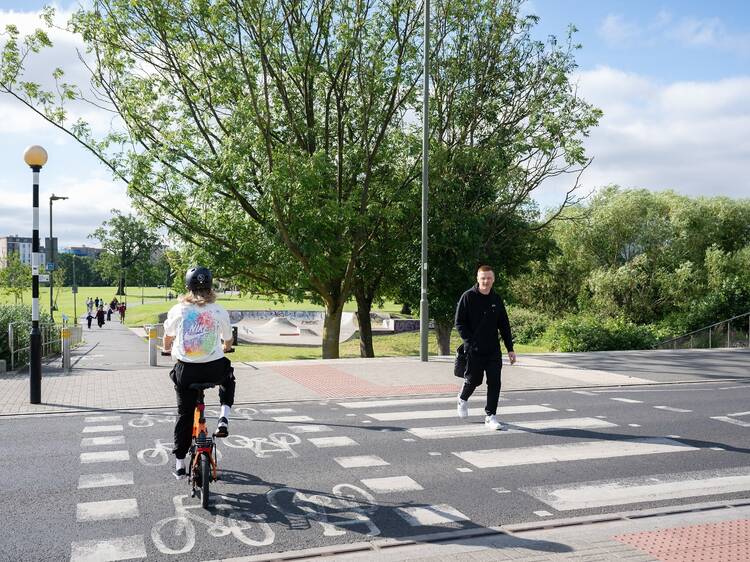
75,289
44,278
50,267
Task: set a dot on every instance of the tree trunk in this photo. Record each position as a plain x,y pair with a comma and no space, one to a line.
443,335
121,286
331,330
364,306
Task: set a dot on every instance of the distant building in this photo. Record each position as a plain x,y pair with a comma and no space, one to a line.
82,251
20,245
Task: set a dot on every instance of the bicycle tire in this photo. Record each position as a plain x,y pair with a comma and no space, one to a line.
205,468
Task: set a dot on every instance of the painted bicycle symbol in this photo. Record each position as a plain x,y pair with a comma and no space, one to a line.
176,535
148,420
263,447
242,413
158,455
348,506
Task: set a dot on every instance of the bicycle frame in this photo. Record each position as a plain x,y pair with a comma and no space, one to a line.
203,442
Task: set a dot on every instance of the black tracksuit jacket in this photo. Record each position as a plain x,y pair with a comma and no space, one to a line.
479,318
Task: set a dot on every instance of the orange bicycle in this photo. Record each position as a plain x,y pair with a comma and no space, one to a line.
201,469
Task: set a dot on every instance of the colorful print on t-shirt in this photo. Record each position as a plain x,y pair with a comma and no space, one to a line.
198,333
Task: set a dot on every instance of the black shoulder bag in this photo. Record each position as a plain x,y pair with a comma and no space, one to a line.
461,362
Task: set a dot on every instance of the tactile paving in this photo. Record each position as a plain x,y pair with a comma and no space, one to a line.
727,541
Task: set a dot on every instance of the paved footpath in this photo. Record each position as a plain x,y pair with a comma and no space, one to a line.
111,373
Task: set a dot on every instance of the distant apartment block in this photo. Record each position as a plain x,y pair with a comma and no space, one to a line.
82,251
16,244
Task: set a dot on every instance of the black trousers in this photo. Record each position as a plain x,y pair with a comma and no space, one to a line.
183,375
476,367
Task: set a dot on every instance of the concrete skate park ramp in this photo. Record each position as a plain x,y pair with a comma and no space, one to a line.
300,328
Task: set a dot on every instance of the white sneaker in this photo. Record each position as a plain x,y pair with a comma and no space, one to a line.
462,408
492,423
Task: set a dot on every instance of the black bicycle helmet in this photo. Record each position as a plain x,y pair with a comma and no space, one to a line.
198,278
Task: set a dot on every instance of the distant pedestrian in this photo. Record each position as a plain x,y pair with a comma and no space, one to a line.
122,309
100,316
109,314
89,318
96,303
480,315
89,305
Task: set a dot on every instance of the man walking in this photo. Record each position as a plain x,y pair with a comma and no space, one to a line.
480,315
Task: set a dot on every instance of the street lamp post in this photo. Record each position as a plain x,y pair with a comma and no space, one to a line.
424,316
51,254
35,157
75,293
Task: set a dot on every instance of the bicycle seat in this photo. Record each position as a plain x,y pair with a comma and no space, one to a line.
202,385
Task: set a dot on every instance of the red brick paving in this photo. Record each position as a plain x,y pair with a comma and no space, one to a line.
728,541
330,382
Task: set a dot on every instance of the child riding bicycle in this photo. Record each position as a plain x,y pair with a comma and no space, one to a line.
198,333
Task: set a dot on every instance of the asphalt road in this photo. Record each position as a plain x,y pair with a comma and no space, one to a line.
305,474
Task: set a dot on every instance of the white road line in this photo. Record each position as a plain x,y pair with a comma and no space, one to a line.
277,411
360,461
671,409
464,469
493,458
325,442
392,484
501,490
309,428
583,392
105,456
396,402
732,421
627,400
106,510
602,493
292,419
739,414
431,515
101,419
107,440
122,548
453,431
105,480
428,414
101,428
542,513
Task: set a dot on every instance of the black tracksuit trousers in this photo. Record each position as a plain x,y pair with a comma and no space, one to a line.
183,375
476,367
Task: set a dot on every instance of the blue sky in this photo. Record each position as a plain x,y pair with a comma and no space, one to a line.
672,77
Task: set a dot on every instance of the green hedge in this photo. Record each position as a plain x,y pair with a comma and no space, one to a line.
527,325
582,332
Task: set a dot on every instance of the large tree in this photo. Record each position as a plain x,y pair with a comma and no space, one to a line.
129,245
15,277
252,129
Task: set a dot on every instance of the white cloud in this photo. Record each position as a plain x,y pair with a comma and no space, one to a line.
687,136
615,30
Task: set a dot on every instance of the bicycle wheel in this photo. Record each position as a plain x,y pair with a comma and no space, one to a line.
205,467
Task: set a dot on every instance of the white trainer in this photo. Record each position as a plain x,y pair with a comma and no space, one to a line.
492,423
462,408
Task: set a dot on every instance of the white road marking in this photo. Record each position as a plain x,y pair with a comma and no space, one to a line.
501,490
542,513
105,456
627,400
396,402
101,428
278,411
408,440
360,461
106,510
108,440
634,425
452,431
309,428
583,392
324,442
366,421
105,480
392,484
431,515
671,409
464,469
434,454
428,414
292,419
101,419
122,548
493,458
732,421
739,414
602,493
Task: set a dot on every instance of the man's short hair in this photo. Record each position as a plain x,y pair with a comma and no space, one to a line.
484,268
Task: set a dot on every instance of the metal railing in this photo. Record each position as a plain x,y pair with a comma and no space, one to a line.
18,341
732,332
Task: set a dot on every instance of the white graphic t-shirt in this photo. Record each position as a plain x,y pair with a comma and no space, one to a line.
198,331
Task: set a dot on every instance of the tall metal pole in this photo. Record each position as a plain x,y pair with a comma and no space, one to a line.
75,294
50,259
424,317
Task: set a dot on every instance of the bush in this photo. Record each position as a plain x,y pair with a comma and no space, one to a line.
12,313
527,325
582,332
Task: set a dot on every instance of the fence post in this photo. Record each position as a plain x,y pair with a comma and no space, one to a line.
12,347
152,340
691,341
729,334
65,335
710,331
